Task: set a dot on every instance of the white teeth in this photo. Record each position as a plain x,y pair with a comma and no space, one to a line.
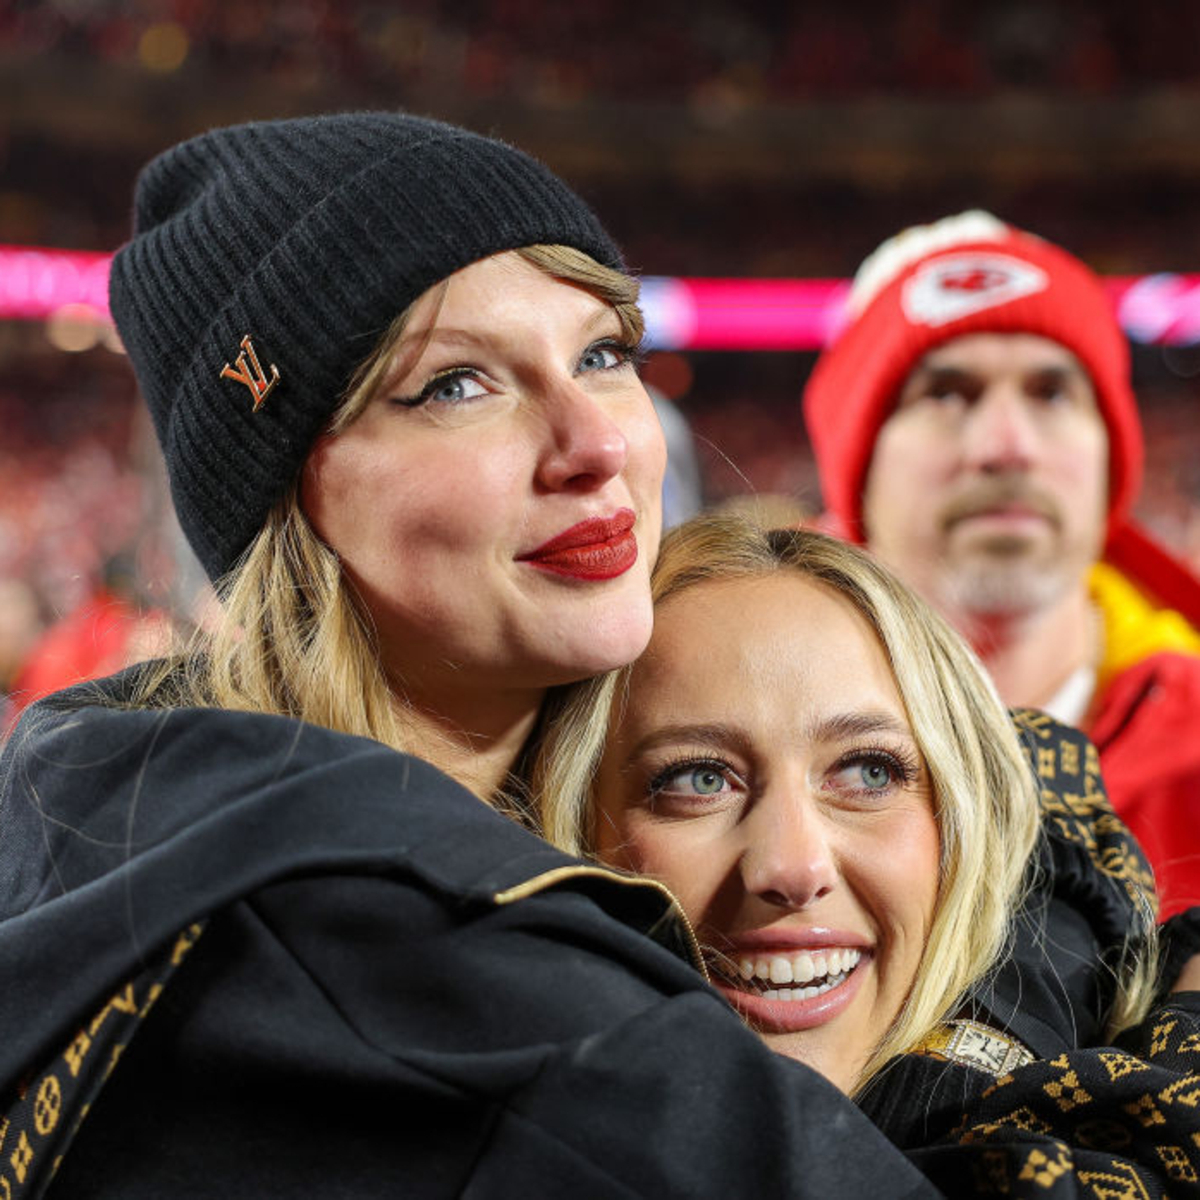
799,969
806,993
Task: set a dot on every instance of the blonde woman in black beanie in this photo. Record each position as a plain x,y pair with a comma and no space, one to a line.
273,922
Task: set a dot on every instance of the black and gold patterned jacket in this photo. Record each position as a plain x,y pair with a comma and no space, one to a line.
1020,1098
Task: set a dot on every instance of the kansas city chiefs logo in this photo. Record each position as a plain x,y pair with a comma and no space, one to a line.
960,284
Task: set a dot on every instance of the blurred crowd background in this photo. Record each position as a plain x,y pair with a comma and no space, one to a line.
715,137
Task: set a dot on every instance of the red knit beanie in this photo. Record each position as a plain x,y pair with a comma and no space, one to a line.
966,274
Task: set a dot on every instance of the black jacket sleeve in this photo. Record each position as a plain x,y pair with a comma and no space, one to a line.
364,1033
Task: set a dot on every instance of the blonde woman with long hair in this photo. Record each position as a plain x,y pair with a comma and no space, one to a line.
823,774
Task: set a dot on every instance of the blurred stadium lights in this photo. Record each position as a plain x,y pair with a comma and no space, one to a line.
38,283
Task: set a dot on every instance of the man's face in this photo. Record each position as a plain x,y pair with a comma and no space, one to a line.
987,490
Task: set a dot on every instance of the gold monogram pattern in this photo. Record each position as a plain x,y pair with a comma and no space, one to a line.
1043,1169
1075,804
1097,1123
1177,1164
1185,1091
1120,1183
1112,1123
1190,1044
1146,1111
1119,1065
1065,1090
1159,1038
39,1122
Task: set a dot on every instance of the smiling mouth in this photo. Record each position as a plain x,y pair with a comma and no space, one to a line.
802,976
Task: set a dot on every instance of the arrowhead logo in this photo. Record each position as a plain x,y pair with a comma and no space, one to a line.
251,373
961,284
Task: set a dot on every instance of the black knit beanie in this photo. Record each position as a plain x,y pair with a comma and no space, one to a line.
267,261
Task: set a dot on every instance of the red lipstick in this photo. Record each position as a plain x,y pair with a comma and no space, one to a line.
598,548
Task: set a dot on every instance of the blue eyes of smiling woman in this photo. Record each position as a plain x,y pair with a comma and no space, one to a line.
707,781
460,384
877,770
875,774
691,777
865,772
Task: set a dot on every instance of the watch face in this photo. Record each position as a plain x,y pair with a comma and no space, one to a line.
981,1047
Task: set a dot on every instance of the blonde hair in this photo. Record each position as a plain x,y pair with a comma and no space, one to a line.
984,793
292,637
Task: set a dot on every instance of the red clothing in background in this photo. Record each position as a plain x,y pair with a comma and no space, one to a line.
97,639
1146,726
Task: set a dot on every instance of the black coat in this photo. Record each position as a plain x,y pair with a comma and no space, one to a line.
396,991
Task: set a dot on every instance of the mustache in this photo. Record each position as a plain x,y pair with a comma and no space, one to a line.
988,495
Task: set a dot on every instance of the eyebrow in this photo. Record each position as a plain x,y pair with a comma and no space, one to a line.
844,726
840,727
714,735
1064,370
428,335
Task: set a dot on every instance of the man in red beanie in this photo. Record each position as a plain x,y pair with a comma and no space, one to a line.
974,424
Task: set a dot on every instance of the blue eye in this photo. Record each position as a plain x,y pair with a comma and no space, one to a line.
605,356
450,387
692,779
598,358
875,775
872,773
453,389
706,782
